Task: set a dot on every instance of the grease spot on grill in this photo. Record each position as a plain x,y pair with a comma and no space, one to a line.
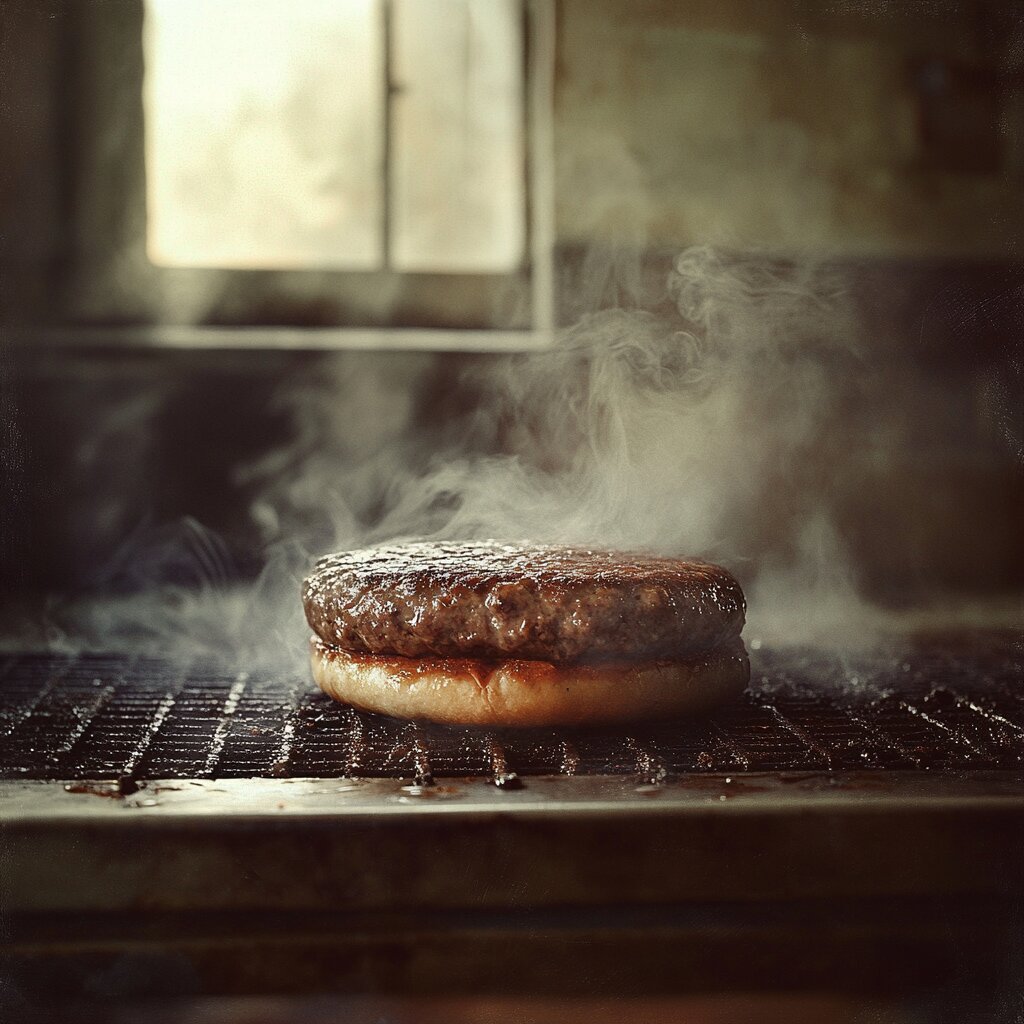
116,788
508,780
432,792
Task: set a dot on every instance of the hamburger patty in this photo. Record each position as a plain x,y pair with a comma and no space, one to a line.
490,600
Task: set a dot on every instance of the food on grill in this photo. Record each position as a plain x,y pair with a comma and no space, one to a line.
471,691
486,600
495,634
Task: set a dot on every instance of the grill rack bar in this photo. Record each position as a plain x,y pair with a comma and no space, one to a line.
958,706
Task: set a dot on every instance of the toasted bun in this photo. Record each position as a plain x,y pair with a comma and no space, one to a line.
524,693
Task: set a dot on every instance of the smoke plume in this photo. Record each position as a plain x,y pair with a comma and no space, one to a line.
710,425
696,430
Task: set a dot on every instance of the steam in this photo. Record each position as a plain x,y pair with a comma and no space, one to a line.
693,431
712,427
640,431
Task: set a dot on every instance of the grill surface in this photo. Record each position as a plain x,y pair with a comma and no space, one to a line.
952,703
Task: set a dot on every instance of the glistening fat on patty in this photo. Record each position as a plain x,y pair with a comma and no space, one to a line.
492,600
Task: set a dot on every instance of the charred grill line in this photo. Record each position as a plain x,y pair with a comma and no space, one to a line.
954,734
68,743
220,734
356,742
138,752
832,725
649,766
22,713
882,739
800,733
723,743
500,774
985,732
570,760
932,742
292,710
989,715
421,757
496,756
115,726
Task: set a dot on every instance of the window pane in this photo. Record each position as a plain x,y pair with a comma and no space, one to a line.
458,177
264,133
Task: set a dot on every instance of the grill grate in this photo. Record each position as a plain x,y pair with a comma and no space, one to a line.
951,704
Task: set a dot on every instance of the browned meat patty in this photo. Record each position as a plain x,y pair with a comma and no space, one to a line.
490,600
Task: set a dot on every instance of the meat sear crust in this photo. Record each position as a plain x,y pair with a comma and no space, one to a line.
491,600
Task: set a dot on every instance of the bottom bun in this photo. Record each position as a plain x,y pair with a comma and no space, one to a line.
462,691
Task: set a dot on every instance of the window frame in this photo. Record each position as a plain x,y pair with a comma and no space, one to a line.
109,287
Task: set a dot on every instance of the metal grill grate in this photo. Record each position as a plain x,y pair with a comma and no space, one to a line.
952,704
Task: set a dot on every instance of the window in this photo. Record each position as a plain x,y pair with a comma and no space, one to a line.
352,164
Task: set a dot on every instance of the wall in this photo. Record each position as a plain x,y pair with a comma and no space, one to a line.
867,129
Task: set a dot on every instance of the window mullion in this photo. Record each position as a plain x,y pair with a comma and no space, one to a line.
391,88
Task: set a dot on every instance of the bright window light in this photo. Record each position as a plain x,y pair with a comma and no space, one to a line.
457,177
288,134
